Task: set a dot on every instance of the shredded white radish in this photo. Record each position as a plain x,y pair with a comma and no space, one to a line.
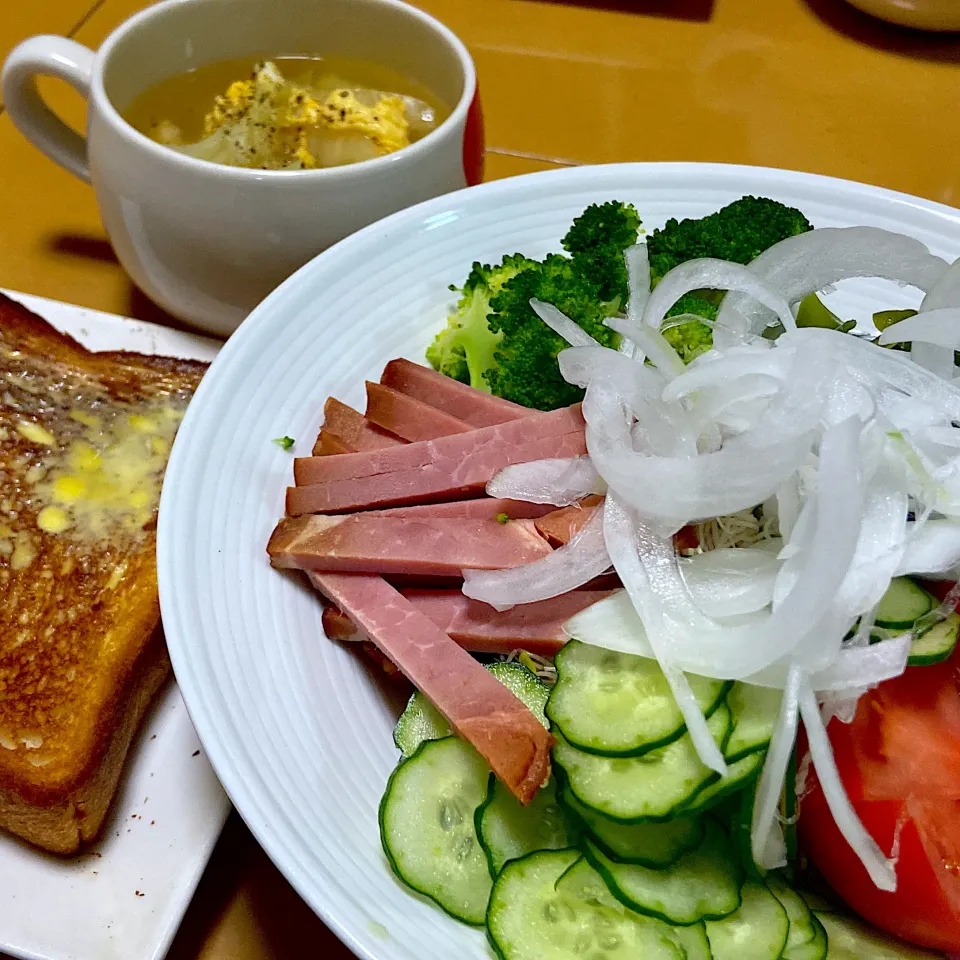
560,482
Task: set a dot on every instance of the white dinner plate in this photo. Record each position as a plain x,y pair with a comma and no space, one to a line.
124,897
297,727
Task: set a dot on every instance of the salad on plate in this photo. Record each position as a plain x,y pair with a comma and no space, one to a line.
668,550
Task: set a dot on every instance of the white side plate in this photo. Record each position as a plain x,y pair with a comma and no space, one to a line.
124,898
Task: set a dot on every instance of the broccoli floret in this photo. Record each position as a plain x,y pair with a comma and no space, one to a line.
689,337
464,349
739,232
525,360
597,240
603,224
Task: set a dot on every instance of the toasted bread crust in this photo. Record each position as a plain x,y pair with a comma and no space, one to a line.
83,443
74,820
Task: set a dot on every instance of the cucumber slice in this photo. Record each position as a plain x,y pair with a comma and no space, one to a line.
537,913
507,830
619,705
754,711
525,685
694,940
802,923
583,882
849,939
757,931
740,823
818,903
633,789
427,827
715,788
937,644
648,844
816,949
903,604
703,884
421,720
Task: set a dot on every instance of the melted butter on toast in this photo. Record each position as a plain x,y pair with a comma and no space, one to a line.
84,441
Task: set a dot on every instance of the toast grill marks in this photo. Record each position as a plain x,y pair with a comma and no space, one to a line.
83,443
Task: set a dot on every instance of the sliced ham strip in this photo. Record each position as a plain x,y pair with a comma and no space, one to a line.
477,706
408,418
477,627
412,546
353,429
559,526
483,508
460,400
483,441
329,444
441,480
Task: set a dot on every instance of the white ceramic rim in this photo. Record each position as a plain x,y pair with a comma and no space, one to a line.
252,808
352,171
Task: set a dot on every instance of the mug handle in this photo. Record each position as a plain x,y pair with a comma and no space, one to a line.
48,56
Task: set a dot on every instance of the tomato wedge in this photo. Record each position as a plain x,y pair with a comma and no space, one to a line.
900,763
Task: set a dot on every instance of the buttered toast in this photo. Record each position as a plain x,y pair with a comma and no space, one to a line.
84,441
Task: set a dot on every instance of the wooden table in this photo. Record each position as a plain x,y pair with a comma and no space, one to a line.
803,84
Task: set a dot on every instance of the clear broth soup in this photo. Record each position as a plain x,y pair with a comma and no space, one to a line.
288,113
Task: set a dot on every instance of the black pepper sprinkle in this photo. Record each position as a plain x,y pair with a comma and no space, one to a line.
343,114
196,753
344,93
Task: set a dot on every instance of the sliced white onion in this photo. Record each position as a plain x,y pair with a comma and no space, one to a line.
709,274
811,261
561,482
877,369
730,581
611,623
945,292
932,549
567,568
583,365
620,533
766,838
652,342
637,260
562,325
880,869
940,327
862,667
